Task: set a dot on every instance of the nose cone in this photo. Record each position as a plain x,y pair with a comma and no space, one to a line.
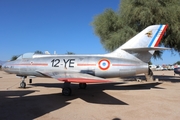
3,66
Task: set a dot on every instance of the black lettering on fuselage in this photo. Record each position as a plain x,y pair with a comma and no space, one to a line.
55,62
69,61
65,62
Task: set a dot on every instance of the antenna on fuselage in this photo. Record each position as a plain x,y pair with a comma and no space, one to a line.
55,53
47,52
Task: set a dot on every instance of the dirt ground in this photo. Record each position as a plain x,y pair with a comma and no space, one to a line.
125,99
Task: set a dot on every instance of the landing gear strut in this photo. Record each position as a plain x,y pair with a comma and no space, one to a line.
66,91
149,76
23,84
82,85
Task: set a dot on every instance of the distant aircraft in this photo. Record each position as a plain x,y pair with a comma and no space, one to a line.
177,70
128,60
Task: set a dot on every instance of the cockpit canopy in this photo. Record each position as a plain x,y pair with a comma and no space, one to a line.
25,56
33,55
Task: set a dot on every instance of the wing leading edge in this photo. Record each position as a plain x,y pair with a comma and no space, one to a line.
74,77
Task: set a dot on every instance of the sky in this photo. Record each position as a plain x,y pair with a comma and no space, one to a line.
59,25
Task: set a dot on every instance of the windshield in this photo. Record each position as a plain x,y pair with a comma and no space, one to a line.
25,56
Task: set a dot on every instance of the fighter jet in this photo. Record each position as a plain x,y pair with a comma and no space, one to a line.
128,60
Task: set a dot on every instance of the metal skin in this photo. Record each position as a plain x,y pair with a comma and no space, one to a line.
128,60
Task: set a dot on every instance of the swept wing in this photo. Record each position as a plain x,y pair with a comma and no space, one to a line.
74,77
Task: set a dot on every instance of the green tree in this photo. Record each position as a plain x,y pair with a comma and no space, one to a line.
149,63
14,57
70,53
115,28
38,52
178,62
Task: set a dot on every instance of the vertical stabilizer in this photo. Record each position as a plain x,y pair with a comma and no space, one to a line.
143,45
149,37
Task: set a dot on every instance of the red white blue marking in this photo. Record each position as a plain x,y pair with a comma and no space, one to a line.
157,37
104,64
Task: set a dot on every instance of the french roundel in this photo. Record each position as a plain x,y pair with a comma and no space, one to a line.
104,64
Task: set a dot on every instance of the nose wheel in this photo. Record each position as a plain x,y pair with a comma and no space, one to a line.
23,84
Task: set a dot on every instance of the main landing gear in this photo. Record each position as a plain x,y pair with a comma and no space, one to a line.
66,91
149,76
82,85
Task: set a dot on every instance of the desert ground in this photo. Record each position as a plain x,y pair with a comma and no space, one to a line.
123,99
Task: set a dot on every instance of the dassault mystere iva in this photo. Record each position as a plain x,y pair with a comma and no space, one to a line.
128,60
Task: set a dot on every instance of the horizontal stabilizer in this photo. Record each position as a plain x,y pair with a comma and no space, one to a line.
145,49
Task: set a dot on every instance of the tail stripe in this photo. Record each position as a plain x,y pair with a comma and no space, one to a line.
143,45
159,39
153,40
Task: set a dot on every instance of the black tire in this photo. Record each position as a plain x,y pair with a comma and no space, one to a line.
30,81
66,91
82,85
23,85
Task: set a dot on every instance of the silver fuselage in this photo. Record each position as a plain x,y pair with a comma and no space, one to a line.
67,64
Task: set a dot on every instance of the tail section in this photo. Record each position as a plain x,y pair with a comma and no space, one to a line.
143,45
149,37
158,36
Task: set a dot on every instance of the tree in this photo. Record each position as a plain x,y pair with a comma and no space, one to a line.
38,52
14,57
70,53
115,28
149,63
178,62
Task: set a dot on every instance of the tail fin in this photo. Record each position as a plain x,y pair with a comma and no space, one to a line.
143,45
149,37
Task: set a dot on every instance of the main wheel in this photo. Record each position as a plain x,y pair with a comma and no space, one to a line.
30,80
22,84
66,91
82,85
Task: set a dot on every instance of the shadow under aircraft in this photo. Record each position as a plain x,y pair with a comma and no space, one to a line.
20,105
162,78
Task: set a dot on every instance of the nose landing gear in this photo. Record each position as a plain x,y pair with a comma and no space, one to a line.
23,84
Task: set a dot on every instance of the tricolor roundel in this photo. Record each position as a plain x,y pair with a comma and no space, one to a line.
104,64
